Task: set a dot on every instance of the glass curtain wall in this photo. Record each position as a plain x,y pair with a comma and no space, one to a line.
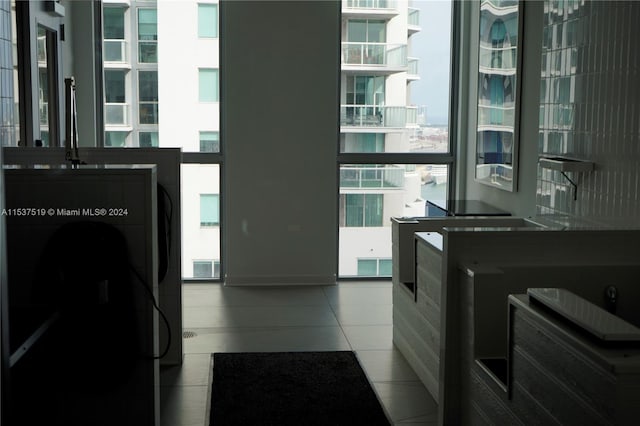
394,151
161,90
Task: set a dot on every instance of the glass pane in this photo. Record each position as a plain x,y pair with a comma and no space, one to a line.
365,211
384,267
47,88
147,24
207,20
148,113
147,52
209,210
115,139
411,108
113,23
209,142
202,269
198,242
367,267
148,86
10,128
208,85
114,86
148,139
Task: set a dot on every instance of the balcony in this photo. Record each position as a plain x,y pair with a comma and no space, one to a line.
413,21
412,69
360,177
499,118
374,58
116,114
116,51
377,116
498,60
384,9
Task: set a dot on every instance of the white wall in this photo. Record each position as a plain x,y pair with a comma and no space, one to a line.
280,103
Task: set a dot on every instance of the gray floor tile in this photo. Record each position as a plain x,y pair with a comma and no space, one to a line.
262,316
364,314
355,295
242,319
219,295
369,337
194,371
277,339
406,401
386,366
183,405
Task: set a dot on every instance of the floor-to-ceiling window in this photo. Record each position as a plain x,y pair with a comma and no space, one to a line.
394,151
162,90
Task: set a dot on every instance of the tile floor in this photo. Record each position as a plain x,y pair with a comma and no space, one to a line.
349,316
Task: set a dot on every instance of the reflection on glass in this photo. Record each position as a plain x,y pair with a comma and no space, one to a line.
200,216
497,89
370,194
47,91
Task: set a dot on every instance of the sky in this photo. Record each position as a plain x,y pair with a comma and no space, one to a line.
432,47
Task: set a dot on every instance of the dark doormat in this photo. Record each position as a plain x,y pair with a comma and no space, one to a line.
292,388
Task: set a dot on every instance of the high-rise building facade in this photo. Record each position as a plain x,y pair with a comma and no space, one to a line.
375,118
130,54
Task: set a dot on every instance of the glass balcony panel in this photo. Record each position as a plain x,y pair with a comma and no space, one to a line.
494,115
115,51
373,116
391,55
498,59
116,114
369,4
412,65
414,17
412,116
391,176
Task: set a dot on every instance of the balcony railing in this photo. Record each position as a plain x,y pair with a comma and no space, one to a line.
388,176
374,54
412,116
499,116
369,4
116,114
500,60
373,116
412,66
414,17
115,51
